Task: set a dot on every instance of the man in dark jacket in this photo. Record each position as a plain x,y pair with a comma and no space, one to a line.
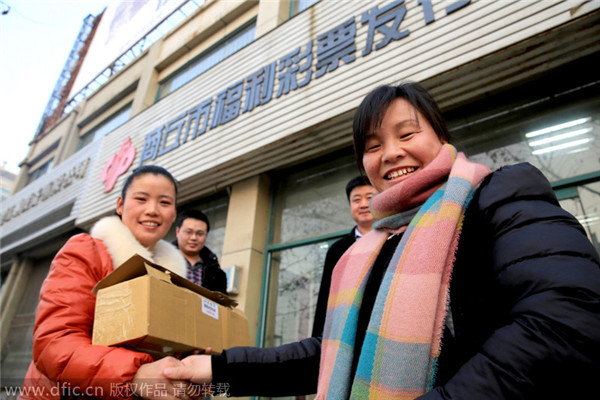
203,266
359,192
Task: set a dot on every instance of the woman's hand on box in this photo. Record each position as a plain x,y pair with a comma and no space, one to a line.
196,369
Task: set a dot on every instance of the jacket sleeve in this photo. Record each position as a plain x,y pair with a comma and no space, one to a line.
321,309
213,276
333,255
62,339
546,296
288,370
220,280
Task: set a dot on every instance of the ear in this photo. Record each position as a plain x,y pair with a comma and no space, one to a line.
119,205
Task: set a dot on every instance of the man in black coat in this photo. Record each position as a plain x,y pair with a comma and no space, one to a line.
359,192
203,266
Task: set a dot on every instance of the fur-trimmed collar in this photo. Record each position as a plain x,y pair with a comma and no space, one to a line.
121,245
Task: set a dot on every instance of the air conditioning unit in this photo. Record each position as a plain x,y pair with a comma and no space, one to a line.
233,273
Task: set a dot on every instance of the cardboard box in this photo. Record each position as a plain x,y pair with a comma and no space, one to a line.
146,307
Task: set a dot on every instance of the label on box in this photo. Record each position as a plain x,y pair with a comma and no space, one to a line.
209,308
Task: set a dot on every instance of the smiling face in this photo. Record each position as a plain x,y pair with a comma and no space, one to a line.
148,209
191,236
359,206
402,146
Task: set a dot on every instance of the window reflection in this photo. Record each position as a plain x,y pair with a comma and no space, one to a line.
560,151
295,280
208,59
312,201
584,204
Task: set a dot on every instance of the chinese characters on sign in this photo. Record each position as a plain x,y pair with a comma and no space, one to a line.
66,179
117,165
291,64
335,45
377,19
293,71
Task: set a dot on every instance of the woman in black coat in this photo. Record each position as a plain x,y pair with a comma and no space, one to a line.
511,310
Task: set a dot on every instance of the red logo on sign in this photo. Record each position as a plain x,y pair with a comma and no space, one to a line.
117,165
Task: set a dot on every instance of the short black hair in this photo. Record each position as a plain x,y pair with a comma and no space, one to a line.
356,182
148,169
370,112
194,214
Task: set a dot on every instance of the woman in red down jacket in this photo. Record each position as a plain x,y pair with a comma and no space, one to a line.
65,363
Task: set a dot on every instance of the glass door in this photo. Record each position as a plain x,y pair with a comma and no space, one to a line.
295,279
583,201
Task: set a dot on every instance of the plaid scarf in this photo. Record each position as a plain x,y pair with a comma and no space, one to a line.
403,339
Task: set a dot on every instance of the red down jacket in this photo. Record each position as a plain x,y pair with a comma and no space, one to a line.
65,363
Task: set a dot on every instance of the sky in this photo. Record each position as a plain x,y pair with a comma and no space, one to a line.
36,37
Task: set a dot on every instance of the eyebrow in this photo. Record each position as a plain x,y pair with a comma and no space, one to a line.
399,125
354,196
148,194
408,122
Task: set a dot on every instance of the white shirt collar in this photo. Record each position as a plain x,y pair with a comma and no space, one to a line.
357,233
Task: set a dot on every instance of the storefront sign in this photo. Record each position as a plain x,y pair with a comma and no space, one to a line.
293,71
47,191
117,165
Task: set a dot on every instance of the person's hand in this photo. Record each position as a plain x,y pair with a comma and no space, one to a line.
196,369
150,383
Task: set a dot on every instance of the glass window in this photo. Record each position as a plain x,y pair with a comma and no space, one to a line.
312,201
297,6
563,144
17,352
43,170
294,287
3,277
208,59
583,201
105,127
216,211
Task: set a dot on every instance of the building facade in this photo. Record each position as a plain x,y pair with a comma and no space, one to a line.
249,104
7,183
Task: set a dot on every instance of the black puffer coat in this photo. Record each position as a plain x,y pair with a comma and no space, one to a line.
525,306
213,277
